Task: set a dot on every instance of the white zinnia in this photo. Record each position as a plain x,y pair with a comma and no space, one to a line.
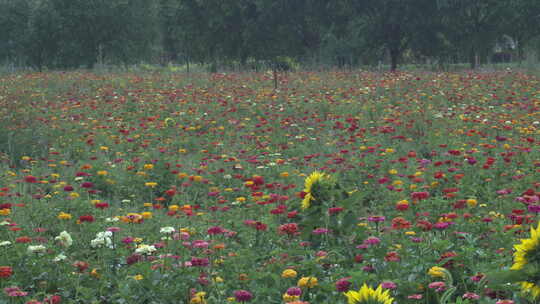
36,249
145,249
167,230
103,239
65,239
59,258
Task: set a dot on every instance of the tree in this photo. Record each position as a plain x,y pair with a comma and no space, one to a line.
473,25
390,25
13,22
520,16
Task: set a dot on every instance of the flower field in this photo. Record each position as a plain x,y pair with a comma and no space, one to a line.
214,188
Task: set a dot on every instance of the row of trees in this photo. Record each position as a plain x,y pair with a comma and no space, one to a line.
75,33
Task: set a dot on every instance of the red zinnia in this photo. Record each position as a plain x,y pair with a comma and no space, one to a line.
419,195
55,299
5,271
102,205
289,229
23,239
86,218
87,185
81,266
30,179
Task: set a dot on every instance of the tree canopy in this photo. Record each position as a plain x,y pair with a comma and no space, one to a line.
62,34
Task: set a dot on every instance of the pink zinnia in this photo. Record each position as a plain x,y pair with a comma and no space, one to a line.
372,241
471,295
388,285
215,230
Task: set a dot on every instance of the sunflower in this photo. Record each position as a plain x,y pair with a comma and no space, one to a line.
527,255
315,177
368,295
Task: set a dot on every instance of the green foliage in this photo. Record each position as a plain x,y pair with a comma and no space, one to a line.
61,34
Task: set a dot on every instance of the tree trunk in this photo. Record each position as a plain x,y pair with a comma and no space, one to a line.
275,76
520,51
394,58
472,59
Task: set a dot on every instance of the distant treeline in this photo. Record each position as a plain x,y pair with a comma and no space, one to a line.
61,34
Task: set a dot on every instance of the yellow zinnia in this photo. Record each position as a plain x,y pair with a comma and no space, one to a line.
437,272
369,295
308,282
289,273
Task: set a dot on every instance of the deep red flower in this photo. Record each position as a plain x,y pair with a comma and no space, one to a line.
102,205
343,285
215,230
419,195
86,218
87,185
54,299
334,210
30,179
81,266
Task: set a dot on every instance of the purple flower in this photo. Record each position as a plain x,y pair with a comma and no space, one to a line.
534,208
376,218
294,291
372,241
242,295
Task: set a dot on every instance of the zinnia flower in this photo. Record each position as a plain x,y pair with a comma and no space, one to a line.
5,271
308,282
369,295
289,273
437,272
242,295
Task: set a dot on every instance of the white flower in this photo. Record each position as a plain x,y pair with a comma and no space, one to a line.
5,243
227,176
145,249
78,178
4,223
65,239
126,201
36,249
167,230
103,239
104,234
59,258
112,219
